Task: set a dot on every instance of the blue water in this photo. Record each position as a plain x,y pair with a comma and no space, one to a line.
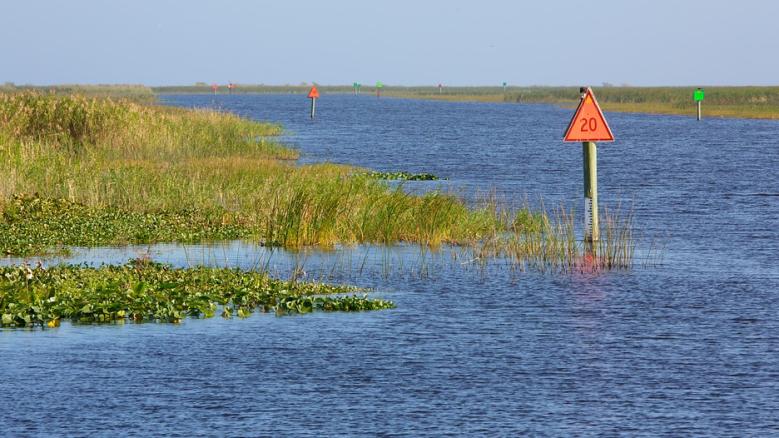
687,347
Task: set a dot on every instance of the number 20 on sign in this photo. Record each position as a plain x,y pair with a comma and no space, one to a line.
588,126
588,123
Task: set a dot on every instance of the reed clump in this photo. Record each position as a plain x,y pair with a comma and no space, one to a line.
547,241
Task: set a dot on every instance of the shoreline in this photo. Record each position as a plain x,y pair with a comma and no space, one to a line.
741,102
745,110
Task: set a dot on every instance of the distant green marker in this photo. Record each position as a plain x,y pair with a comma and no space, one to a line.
697,96
379,86
356,86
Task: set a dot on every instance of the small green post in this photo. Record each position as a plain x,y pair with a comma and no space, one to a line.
591,226
698,96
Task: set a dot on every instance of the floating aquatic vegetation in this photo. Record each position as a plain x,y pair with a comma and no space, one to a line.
33,225
146,291
402,176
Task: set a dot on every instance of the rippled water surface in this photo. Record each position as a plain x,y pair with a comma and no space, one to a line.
689,347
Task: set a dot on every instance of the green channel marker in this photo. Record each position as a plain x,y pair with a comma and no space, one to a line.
697,96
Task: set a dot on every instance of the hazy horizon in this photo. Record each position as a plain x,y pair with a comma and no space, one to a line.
370,85
554,43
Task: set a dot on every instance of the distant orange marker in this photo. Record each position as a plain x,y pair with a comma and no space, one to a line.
588,123
313,95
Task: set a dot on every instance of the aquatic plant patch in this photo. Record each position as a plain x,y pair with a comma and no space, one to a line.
402,176
144,291
33,225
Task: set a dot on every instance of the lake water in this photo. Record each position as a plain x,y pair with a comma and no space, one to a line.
686,347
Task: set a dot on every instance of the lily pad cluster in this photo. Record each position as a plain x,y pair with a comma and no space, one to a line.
402,176
33,225
144,291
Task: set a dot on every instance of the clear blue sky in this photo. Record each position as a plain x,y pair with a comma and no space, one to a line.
547,42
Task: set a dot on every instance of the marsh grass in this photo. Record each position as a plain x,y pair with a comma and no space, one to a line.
134,92
86,156
99,171
748,102
547,241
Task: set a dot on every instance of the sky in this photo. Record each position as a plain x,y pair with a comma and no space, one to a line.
399,42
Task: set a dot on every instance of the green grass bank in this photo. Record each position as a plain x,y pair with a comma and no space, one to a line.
134,92
78,170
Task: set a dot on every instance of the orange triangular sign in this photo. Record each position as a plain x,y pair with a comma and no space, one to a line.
314,93
588,124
